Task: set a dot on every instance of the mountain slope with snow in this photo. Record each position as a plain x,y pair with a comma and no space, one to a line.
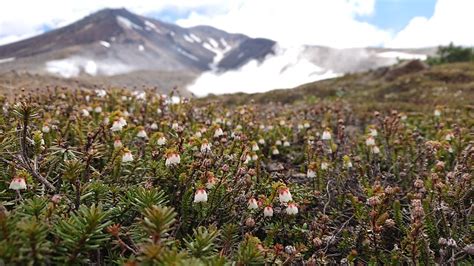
114,47
116,41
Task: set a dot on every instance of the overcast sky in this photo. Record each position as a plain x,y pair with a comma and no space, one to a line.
337,23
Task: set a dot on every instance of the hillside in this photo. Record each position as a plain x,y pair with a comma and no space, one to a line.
448,84
322,174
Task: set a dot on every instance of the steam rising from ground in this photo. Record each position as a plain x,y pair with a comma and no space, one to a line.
286,69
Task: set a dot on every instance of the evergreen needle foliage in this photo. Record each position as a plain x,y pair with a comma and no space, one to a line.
131,178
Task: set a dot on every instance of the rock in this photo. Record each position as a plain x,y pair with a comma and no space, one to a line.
275,167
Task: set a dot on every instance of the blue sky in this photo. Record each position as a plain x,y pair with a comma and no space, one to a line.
394,15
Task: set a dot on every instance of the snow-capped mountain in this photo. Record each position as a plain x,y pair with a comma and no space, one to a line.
117,42
137,50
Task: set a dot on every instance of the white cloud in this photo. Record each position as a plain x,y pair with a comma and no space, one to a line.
323,22
13,37
291,22
332,23
286,69
451,22
25,18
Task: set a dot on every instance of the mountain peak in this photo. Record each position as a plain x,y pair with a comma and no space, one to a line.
115,42
112,14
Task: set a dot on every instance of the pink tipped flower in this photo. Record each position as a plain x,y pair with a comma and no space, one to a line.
211,181
254,157
122,120
248,159
448,137
291,209
172,158
85,113
326,135
118,143
218,132
324,166
116,126
255,147
127,157
142,134
98,109
175,126
205,147
370,141
56,198
275,151
253,204
45,128
161,141
373,132
101,93
18,183
375,150
268,211
284,195
200,196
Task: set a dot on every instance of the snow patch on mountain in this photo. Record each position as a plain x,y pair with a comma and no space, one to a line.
74,66
402,55
127,23
224,43
194,37
219,52
6,60
188,55
213,43
188,38
105,44
151,26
